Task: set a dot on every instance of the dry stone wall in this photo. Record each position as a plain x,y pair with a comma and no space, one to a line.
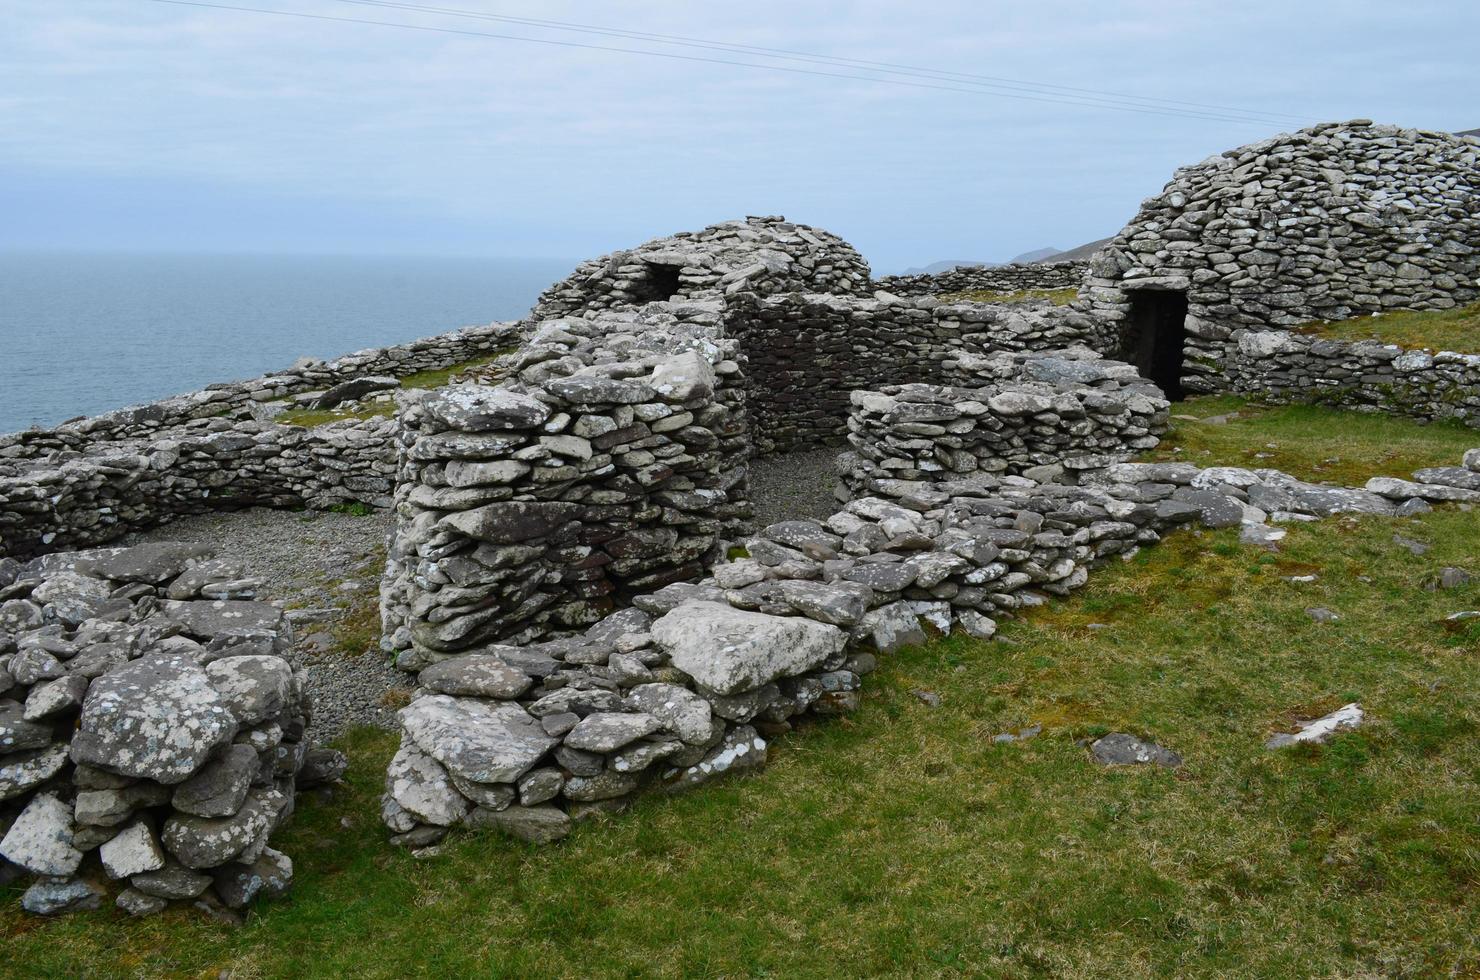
807,352
233,401
988,278
692,681
152,732
1368,376
761,255
610,465
208,466
1321,224
1034,413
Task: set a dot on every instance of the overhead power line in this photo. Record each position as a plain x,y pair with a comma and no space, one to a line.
787,54
428,29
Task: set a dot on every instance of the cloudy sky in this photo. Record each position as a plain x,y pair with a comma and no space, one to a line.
143,125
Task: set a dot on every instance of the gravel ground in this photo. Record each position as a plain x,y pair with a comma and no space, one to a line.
794,485
322,566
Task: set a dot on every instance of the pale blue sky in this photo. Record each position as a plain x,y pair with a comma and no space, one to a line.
130,124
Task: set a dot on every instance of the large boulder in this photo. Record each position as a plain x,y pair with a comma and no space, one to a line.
157,718
729,650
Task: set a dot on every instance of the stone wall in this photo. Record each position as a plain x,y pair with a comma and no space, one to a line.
990,278
1024,413
151,731
807,352
1369,376
233,400
609,466
207,466
690,683
1321,224
757,255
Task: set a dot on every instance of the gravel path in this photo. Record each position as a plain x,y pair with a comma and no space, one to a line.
325,568
794,485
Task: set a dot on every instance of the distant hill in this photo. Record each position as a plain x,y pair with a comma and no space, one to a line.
1037,255
943,266
1076,254
1468,132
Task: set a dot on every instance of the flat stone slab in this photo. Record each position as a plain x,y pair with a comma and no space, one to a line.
152,563
156,718
483,742
478,675
729,650
1120,749
205,619
1344,718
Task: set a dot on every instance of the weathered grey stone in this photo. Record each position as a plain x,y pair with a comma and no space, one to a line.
679,710
255,688
174,881
475,675
540,785
40,840
479,741
478,408
1120,749
741,750
16,732
205,619
131,851
607,731
422,787
205,842
137,904
270,875
156,718
20,772
54,897
152,563
219,787
55,697
729,650
320,767
543,824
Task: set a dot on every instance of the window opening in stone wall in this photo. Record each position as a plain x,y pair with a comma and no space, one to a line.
660,283
1155,337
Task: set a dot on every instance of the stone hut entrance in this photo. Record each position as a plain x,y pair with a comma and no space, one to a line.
659,285
1155,335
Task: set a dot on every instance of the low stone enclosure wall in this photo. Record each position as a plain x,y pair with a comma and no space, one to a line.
1035,414
218,401
95,499
689,682
152,732
1369,376
992,278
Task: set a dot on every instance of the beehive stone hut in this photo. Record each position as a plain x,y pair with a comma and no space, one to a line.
1321,224
760,255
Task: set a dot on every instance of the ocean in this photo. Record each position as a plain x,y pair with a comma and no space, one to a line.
83,333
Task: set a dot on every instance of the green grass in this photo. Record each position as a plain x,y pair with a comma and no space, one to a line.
903,841
417,380
1058,297
1455,330
1311,442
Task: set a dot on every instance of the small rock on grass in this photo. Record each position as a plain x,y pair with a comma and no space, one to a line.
1344,718
1321,614
1120,749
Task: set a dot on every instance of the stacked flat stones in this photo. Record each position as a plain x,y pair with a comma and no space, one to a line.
1030,413
609,465
760,255
1321,224
689,682
204,466
988,278
807,352
151,731
1278,366
665,695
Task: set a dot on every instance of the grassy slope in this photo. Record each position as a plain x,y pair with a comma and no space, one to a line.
902,840
1457,329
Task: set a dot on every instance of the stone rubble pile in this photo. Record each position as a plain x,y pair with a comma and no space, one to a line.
988,278
609,465
152,732
760,255
1025,413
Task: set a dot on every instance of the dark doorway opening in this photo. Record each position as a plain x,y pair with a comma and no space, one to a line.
1155,337
660,283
